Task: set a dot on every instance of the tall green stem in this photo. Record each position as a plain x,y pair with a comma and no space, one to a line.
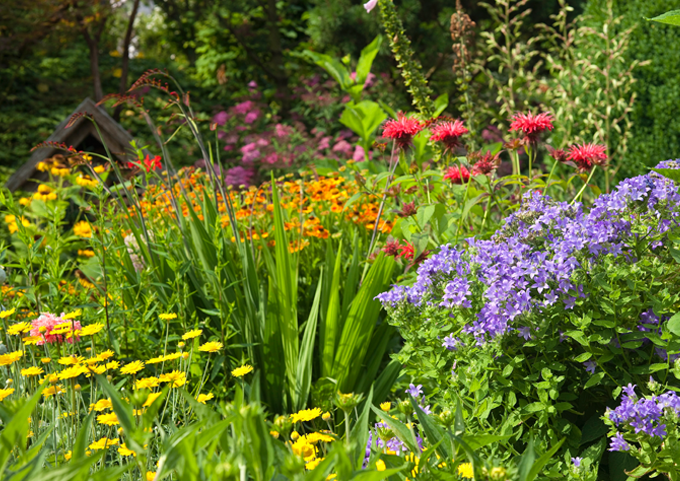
580,192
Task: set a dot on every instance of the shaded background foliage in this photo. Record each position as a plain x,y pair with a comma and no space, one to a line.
216,48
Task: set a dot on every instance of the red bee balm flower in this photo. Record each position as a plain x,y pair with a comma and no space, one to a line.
531,125
449,133
148,163
587,155
457,174
406,251
402,130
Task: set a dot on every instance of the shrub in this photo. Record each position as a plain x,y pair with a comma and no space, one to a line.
655,129
538,328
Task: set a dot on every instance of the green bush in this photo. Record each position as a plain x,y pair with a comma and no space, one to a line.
656,125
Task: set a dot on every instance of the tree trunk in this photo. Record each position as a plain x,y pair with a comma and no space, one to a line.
126,58
277,61
93,46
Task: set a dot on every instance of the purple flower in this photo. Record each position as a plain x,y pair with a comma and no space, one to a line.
451,343
524,332
590,366
629,390
370,5
414,390
576,462
618,443
537,258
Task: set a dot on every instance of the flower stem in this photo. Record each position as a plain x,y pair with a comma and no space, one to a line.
580,192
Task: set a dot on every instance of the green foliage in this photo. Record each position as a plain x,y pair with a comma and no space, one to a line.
655,127
411,69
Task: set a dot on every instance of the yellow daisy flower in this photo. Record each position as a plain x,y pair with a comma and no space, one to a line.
242,371
305,415
103,443
202,398
175,378
9,312
465,470
211,346
19,328
82,229
147,383
123,450
91,329
109,419
103,356
32,371
167,316
5,392
101,405
151,398
192,334
132,368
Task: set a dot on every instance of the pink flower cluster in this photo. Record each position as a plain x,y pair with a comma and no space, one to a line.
49,322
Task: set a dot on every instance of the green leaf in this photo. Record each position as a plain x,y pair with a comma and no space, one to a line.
583,357
360,323
440,105
673,324
398,428
672,174
334,67
366,60
594,380
305,364
434,433
526,462
540,462
670,18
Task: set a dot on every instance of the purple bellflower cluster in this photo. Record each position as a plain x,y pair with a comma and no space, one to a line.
643,415
530,262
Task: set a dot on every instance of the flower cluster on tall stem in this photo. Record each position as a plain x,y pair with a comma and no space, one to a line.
531,126
448,133
402,130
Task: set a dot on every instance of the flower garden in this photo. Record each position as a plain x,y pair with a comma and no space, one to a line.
403,292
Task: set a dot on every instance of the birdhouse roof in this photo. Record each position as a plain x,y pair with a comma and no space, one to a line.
115,137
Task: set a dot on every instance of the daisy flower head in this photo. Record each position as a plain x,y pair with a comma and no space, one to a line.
457,174
202,398
192,334
531,125
132,368
448,133
242,371
306,415
211,346
32,371
585,156
402,130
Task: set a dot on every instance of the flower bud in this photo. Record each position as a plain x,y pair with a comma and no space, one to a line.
346,402
326,416
185,355
42,329
405,407
283,424
498,474
9,382
109,377
274,434
181,345
294,435
77,387
447,418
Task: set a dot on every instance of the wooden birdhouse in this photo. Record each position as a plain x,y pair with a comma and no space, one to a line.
83,136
